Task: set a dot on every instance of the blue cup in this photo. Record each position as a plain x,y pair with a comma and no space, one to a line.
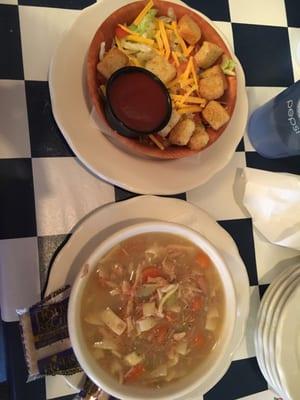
274,128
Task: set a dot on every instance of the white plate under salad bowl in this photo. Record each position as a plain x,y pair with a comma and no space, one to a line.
74,115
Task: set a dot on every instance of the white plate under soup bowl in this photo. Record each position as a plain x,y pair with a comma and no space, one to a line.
198,376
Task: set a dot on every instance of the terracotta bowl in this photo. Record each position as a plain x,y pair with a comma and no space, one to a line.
105,33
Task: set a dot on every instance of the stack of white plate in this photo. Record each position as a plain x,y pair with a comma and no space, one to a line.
277,335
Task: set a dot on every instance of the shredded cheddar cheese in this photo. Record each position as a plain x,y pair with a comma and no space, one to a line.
187,71
164,38
144,11
172,83
189,109
189,99
184,84
157,142
189,50
140,39
175,58
187,94
178,53
134,61
159,41
136,37
194,74
179,38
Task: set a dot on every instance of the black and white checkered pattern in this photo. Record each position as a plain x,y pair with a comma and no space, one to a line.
45,191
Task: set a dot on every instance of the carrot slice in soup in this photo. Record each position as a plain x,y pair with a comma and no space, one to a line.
160,333
203,260
199,340
150,272
134,373
197,303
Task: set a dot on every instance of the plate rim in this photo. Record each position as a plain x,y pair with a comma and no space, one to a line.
271,331
281,321
275,288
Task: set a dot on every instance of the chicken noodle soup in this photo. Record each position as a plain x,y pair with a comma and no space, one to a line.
153,309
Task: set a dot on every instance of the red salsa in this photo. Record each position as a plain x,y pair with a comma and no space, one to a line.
139,101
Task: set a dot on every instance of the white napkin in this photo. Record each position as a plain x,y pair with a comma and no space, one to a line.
273,201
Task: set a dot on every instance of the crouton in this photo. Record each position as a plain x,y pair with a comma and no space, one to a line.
111,62
211,88
189,29
213,71
207,55
175,117
182,132
160,67
215,115
199,139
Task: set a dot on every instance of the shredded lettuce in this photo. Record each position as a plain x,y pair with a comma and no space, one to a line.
135,47
171,13
102,51
228,66
143,57
167,20
147,26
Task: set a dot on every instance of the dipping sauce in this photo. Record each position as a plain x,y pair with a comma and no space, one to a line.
138,100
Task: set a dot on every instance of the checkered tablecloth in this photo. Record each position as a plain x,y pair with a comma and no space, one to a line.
44,191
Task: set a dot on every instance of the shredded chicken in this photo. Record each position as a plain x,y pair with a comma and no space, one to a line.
169,268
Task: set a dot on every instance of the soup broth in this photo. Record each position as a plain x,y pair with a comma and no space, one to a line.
153,309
